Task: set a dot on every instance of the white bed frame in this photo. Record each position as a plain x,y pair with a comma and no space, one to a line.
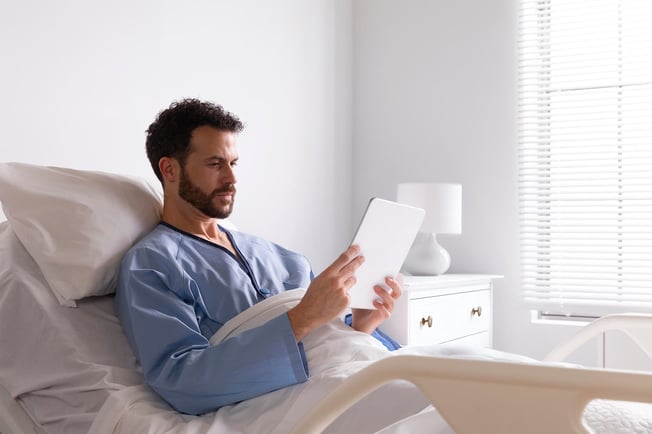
522,397
635,325
499,397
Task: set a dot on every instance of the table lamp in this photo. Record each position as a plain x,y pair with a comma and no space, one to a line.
443,205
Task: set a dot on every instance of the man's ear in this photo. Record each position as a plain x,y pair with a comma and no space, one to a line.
170,169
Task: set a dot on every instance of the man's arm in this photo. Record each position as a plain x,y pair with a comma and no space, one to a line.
178,361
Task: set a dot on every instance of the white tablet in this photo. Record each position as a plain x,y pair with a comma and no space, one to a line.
385,235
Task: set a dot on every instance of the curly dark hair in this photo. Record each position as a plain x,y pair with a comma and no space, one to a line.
169,134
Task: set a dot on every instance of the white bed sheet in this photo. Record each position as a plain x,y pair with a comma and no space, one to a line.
334,352
59,363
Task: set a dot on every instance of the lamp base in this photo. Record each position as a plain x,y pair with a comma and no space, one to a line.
426,256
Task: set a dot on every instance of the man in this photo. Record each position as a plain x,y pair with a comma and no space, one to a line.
189,276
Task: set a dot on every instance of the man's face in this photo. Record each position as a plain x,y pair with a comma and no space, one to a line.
207,180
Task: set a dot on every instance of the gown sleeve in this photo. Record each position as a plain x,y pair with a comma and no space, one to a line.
178,362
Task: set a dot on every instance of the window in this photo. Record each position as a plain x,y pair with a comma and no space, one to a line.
585,155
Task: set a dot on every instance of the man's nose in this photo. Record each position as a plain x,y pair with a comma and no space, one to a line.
230,175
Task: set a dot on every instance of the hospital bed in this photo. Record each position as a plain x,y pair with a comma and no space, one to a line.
66,366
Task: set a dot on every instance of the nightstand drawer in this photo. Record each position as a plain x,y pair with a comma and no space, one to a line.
448,317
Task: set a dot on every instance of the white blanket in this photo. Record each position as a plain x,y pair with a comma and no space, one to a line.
334,352
258,314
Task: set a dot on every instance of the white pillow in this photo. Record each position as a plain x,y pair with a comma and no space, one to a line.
77,224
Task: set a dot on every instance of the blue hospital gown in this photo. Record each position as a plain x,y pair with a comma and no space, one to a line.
175,290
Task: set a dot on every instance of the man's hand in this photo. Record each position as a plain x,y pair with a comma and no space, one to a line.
366,320
328,294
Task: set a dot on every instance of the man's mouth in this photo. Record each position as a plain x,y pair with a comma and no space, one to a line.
224,193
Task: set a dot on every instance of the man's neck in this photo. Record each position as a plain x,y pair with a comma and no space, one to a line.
193,223
202,228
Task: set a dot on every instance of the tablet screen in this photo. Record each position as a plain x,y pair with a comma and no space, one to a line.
385,235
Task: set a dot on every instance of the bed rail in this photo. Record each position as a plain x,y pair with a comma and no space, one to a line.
635,325
489,396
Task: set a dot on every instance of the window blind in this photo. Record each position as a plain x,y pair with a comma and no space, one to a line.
585,155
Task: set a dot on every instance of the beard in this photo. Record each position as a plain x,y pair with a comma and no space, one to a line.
192,194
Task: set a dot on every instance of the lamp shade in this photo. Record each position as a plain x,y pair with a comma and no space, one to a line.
442,202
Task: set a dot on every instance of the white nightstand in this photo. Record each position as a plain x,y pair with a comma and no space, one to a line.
446,308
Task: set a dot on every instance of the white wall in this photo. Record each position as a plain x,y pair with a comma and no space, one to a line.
386,90
80,82
435,100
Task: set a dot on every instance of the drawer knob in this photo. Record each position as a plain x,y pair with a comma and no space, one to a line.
476,311
425,321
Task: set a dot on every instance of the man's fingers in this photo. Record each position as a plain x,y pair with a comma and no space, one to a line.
383,309
353,265
386,298
349,282
345,258
396,287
